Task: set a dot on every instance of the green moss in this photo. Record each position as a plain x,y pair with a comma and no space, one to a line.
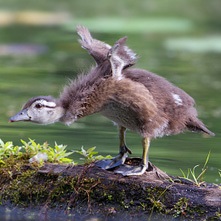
181,207
21,184
25,186
32,188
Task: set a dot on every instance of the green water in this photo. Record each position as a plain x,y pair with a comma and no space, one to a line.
184,48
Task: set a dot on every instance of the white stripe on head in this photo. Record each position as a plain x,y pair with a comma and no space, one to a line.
45,103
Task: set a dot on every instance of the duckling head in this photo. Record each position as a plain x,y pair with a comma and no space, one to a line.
41,110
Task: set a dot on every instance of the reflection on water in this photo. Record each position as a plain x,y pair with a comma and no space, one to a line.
21,49
201,45
45,214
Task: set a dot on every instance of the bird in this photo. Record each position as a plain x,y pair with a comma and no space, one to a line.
133,98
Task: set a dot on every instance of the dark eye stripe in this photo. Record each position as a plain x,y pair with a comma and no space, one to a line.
38,106
48,106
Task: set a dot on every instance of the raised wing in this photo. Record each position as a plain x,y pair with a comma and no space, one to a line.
121,57
100,51
97,49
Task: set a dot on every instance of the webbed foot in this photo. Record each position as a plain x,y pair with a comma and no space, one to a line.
127,170
112,163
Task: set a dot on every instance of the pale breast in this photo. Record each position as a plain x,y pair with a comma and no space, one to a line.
122,115
130,104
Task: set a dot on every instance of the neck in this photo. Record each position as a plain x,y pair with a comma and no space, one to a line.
60,112
81,97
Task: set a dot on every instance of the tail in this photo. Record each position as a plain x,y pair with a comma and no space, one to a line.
198,126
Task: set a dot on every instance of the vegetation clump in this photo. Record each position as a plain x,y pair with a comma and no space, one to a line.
28,150
19,165
196,178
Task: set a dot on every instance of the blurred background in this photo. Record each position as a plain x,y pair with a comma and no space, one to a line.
179,40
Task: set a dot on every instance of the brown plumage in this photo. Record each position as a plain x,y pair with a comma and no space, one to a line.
133,98
173,103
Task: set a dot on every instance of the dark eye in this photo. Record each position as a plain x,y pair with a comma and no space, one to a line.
38,106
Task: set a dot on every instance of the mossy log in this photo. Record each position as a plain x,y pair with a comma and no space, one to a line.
89,189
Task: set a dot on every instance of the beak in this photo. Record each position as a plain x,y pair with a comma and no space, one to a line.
20,116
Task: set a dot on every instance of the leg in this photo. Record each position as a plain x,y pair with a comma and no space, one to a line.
123,148
127,170
121,157
146,145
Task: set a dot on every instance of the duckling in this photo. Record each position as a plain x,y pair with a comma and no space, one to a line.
174,109
138,100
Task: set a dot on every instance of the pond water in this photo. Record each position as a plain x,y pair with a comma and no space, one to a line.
38,60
